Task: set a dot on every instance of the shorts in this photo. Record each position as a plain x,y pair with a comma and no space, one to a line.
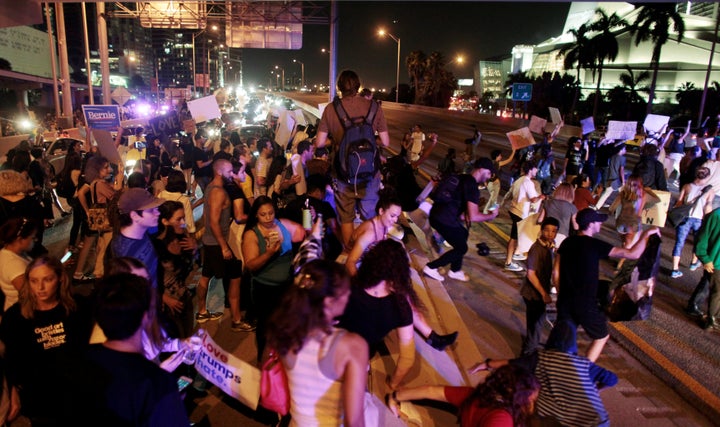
592,320
347,200
513,230
214,265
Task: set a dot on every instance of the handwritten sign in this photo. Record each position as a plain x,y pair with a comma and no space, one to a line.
167,124
235,377
621,130
588,125
204,109
655,122
537,124
656,213
555,115
102,117
520,138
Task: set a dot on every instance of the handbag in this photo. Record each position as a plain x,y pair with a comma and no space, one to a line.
98,219
678,214
274,391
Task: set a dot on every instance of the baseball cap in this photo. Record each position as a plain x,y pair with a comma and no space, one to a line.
484,163
587,216
137,199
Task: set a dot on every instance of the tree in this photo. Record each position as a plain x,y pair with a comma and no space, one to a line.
415,63
577,54
604,45
439,83
625,101
653,23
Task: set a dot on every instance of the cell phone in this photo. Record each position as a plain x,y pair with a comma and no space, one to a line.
183,382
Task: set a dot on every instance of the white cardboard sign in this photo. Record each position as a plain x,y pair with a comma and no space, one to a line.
621,130
555,115
537,124
521,138
655,122
588,125
204,109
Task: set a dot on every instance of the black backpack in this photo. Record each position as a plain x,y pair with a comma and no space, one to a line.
358,159
446,190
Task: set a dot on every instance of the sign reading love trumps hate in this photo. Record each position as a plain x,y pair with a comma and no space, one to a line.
102,117
235,377
166,124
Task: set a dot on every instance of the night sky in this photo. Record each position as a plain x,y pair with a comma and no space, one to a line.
475,30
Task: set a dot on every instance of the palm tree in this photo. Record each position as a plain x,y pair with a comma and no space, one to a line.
438,82
632,83
577,54
415,63
653,23
625,101
604,45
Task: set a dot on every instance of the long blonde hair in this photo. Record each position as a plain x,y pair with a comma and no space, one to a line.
633,188
28,302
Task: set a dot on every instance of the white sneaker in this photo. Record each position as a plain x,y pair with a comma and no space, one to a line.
458,275
519,257
434,273
513,267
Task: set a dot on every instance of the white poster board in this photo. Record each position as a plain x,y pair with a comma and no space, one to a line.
621,130
204,109
655,123
520,138
234,376
656,213
588,125
537,124
555,115
106,145
285,126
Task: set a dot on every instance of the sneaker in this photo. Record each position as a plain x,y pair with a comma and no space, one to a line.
519,257
513,267
241,326
694,266
676,273
208,315
440,342
458,275
434,273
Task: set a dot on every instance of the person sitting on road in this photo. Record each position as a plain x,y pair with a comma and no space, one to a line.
376,229
505,399
381,301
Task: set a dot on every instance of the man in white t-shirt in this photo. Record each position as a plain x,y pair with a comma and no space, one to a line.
524,193
418,138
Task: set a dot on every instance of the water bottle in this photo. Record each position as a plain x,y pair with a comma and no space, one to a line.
193,347
307,216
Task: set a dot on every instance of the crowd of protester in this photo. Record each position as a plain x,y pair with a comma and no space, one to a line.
324,318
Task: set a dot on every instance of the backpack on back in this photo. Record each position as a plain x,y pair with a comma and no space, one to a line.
446,189
358,158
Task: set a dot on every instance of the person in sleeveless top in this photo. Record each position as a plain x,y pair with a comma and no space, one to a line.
689,194
326,366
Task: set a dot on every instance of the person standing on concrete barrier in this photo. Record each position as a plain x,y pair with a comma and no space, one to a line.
576,270
455,207
349,197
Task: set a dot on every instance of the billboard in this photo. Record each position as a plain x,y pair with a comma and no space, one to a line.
248,26
27,50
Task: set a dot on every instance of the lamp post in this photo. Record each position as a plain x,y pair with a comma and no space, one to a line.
194,36
282,70
302,73
397,74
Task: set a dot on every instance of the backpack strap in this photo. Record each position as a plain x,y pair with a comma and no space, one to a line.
341,113
370,118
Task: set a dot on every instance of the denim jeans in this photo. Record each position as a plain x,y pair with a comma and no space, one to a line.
682,231
457,237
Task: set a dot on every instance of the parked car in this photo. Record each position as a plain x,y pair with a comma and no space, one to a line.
57,150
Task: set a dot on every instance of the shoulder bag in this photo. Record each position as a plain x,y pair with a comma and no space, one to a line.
677,215
98,219
274,390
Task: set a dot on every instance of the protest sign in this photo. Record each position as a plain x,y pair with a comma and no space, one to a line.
655,214
520,138
204,109
555,115
103,117
621,130
167,124
588,125
233,376
655,123
106,145
537,124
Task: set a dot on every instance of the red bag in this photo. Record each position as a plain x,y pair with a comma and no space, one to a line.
274,391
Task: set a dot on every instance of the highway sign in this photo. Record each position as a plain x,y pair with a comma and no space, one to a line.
522,91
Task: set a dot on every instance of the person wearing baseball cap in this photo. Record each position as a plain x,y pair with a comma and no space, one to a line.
576,273
454,208
138,212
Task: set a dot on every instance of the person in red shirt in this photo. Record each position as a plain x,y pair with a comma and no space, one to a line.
584,198
505,399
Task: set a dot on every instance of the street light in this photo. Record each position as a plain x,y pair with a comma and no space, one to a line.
194,36
397,74
302,72
460,59
283,76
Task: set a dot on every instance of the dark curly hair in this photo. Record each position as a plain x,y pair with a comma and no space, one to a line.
386,198
387,260
510,388
303,305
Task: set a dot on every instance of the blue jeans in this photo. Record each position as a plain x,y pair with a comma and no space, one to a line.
682,231
455,236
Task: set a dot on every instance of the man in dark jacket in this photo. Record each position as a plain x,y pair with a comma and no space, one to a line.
650,169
